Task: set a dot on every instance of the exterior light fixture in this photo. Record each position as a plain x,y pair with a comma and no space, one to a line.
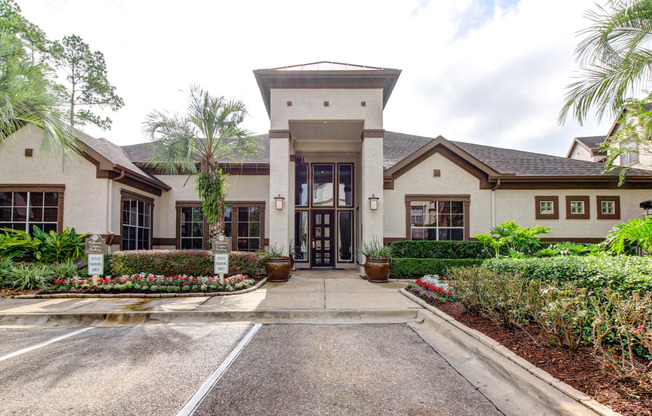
279,201
373,202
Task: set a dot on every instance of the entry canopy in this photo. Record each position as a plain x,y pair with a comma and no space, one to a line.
325,74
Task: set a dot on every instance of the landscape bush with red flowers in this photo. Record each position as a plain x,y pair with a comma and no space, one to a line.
150,283
432,287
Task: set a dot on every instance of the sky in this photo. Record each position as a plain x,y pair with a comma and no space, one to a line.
492,72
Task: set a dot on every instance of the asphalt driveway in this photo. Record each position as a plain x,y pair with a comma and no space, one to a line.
284,369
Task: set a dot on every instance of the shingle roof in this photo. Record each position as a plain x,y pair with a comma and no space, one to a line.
505,161
592,142
398,146
114,153
144,152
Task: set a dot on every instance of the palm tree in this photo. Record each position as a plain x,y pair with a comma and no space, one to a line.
27,96
615,59
197,142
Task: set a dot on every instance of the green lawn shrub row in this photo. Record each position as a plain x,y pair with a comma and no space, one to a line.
621,273
440,249
616,325
182,262
406,267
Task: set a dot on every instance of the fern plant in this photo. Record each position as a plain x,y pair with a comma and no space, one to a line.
637,231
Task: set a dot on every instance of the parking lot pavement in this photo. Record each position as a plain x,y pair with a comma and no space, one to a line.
142,370
342,370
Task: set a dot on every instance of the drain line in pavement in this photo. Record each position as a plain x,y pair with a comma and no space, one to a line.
43,344
196,399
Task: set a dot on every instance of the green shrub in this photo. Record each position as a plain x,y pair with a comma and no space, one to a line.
439,249
406,267
29,276
108,259
376,250
499,298
180,262
622,273
65,270
514,238
5,264
561,310
44,247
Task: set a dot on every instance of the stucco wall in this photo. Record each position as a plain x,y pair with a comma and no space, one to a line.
240,188
581,153
519,205
420,180
85,197
344,104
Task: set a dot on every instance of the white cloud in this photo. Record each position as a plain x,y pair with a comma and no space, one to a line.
484,71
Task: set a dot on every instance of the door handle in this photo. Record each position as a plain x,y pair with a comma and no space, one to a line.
313,243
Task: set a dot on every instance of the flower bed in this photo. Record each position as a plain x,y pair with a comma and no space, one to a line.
430,287
149,283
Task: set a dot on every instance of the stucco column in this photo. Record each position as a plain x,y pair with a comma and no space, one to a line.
279,184
372,185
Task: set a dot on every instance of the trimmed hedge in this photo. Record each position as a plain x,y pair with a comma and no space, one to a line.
181,262
421,267
621,273
439,249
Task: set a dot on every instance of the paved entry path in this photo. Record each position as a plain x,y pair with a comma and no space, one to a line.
305,291
342,370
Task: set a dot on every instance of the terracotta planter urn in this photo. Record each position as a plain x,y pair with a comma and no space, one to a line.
278,269
377,270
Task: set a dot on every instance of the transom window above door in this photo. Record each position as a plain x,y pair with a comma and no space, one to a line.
322,185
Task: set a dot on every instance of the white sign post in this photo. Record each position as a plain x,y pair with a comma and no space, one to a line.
221,249
95,249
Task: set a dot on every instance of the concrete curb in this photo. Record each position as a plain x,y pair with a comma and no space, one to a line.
504,352
139,295
207,317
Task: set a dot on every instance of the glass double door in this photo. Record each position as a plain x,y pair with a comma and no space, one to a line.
323,238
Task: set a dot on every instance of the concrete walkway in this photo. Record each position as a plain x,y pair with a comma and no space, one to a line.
322,293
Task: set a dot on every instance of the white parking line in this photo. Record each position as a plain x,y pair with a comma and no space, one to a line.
43,344
194,402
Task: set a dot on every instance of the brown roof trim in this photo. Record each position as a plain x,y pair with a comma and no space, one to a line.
575,143
228,168
375,78
108,170
448,150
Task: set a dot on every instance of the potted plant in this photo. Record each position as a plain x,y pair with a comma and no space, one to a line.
278,266
377,264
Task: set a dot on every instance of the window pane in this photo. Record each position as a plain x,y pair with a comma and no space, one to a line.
301,235
36,214
197,229
254,214
36,199
5,214
186,243
50,214
345,185
51,199
254,230
301,185
197,215
20,214
322,185
5,198
345,236
186,214
457,235
20,199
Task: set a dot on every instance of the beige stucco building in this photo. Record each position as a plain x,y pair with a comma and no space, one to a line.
327,179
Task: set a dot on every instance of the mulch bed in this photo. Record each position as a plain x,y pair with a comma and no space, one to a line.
579,369
6,292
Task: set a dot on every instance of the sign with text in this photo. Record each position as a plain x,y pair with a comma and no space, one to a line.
221,244
95,244
221,263
95,264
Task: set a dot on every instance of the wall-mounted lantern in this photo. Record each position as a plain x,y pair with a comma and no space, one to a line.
373,202
279,201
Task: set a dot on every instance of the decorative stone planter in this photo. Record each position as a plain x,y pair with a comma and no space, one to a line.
278,269
377,270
